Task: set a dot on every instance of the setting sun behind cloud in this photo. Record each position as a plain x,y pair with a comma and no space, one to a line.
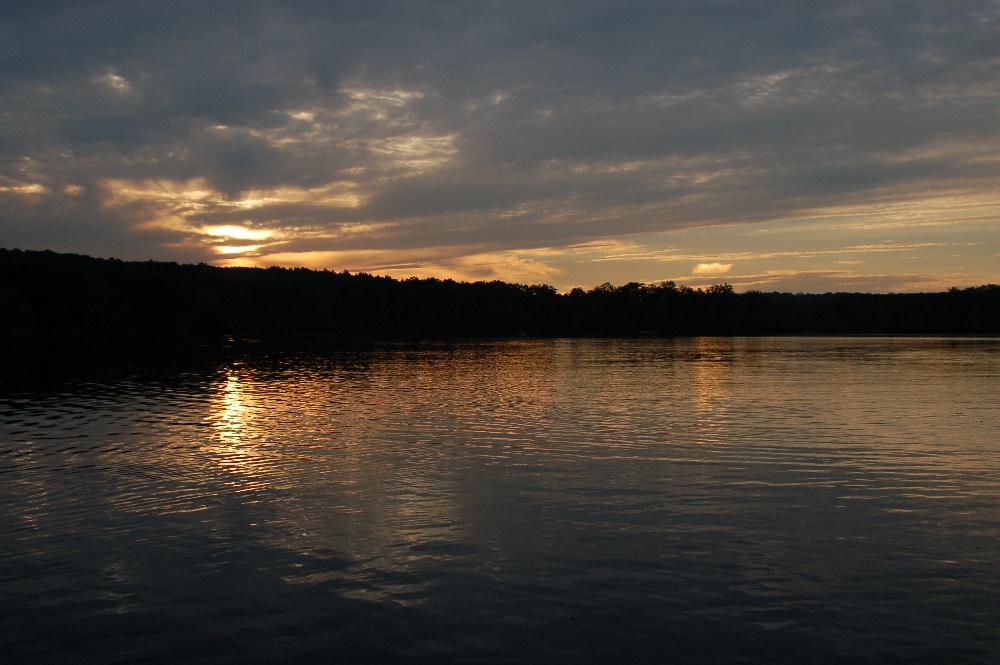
524,144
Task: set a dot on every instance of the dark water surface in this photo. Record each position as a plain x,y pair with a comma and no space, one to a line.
696,500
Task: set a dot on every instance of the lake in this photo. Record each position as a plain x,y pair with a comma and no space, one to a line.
752,500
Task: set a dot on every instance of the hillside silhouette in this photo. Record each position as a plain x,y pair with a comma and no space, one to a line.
43,292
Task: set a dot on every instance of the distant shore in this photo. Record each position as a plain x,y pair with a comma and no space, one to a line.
46,293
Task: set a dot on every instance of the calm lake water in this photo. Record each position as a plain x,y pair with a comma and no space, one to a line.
692,500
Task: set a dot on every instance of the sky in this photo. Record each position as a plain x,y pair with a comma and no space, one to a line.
780,146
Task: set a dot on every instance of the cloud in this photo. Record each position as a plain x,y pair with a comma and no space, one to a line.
824,281
712,268
718,268
457,263
397,129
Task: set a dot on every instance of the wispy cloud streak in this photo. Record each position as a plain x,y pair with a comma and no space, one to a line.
398,129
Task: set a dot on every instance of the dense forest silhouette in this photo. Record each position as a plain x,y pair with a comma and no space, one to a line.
42,292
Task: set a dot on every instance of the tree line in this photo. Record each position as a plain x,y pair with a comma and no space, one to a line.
49,293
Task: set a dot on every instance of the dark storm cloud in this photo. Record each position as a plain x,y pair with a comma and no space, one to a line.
490,124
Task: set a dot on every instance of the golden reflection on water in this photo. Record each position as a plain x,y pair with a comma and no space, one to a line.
238,433
565,474
232,416
341,458
370,468
711,378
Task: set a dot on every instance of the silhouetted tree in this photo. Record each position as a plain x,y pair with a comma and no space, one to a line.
49,293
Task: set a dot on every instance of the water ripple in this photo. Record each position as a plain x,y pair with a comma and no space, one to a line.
467,497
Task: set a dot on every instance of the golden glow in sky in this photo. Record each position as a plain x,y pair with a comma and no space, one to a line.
857,151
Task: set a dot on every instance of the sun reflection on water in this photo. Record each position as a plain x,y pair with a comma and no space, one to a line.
748,482
236,444
233,415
